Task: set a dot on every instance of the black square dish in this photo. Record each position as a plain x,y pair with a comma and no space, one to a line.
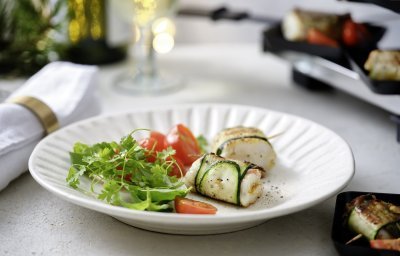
341,234
275,42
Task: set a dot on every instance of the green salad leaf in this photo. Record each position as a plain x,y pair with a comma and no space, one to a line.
125,175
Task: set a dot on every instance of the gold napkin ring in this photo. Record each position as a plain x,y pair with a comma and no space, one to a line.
40,109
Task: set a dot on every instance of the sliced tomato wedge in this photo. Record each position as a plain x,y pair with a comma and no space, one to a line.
153,146
155,143
314,36
190,206
161,140
178,169
185,144
386,244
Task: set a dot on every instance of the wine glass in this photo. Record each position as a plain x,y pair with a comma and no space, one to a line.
146,78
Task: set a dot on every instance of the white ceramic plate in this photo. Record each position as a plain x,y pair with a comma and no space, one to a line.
313,164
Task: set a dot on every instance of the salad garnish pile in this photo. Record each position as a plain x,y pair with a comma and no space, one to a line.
130,175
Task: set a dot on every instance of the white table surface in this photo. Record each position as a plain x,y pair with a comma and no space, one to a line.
35,222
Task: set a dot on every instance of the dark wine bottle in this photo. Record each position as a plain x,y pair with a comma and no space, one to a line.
98,34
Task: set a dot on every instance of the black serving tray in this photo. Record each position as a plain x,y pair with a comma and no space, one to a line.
340,233
378,86
392,5
273,41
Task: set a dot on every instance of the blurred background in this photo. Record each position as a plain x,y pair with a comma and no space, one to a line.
194,30
35,32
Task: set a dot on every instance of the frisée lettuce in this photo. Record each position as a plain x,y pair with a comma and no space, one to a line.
125,176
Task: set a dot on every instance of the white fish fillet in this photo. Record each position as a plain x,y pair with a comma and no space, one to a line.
245,144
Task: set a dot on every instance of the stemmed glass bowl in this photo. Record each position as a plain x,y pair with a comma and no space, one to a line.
145,77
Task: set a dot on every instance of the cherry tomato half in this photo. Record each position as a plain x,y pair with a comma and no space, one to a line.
185,144
314,36
160,138
153,146
189,206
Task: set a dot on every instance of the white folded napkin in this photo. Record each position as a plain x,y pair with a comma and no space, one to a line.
68,89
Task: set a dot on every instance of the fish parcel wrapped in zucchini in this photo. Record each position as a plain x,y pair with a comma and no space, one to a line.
245,144
373,218
228,180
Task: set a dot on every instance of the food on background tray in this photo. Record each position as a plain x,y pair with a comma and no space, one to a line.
354,34
297,23
314,36
386,244
245,144
383,65
323,29
374,219
228,180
